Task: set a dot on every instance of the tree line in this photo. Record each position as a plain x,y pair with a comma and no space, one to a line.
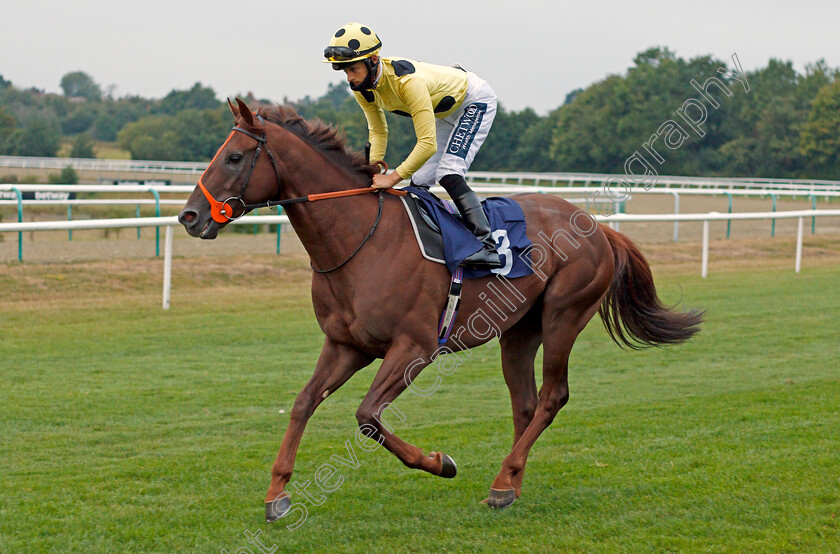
184,125
786,125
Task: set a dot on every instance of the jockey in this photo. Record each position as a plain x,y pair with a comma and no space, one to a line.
451,109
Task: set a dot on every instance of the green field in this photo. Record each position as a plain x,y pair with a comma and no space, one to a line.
130,429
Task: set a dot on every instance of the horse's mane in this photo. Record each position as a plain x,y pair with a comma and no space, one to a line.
319,134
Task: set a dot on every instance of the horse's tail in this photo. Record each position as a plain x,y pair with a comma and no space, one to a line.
632,312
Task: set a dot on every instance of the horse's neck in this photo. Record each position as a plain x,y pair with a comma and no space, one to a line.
329,229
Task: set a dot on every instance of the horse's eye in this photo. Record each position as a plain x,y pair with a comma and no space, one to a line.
234,158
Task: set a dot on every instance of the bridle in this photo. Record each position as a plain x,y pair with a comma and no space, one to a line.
219,210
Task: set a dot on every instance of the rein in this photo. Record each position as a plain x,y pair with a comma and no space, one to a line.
322,196
219,210
356,251
338,194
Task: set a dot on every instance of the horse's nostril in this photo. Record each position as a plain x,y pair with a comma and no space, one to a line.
187,216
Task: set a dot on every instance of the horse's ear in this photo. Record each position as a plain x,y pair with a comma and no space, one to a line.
232,108
245,112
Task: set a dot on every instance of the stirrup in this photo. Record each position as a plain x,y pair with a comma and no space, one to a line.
486,258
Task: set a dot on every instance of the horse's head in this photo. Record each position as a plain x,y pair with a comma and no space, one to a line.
242,172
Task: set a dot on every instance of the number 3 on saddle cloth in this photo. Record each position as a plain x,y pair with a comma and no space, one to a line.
444,240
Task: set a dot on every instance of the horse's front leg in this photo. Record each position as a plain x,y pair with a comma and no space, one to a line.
336,364
377,418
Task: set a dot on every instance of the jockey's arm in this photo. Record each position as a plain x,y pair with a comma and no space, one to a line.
377,127
415,95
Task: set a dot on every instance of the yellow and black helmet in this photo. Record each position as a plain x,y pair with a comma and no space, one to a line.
352,43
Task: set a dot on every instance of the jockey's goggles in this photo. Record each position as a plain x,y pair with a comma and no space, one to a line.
346,54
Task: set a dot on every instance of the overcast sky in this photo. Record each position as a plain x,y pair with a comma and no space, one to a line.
532,52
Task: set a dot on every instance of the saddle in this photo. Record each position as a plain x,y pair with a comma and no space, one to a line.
443,239
426,230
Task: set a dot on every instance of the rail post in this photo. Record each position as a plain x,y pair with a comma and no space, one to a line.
813,219
279,228
167,267
729,221
773,224
676,212
799,233
137,214
157,214
704,270
70,218
20,220
617,210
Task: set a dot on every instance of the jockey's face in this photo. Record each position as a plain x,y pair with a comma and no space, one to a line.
356,72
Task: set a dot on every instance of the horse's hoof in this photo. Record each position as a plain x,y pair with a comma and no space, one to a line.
448,468
278,508
500,498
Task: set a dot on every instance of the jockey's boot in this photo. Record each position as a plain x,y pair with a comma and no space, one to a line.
475,220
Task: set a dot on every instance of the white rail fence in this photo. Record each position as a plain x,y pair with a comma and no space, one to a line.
593,196
588,180
90,164
170,222
595,180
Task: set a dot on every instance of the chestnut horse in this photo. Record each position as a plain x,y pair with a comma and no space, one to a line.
375,296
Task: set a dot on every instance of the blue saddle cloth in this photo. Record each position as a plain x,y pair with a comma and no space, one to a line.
509,230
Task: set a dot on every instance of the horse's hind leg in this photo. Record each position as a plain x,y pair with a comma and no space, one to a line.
564,316
519,346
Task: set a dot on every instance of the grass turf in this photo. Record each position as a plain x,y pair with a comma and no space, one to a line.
130,429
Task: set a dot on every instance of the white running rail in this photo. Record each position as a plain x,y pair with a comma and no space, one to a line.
170,222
